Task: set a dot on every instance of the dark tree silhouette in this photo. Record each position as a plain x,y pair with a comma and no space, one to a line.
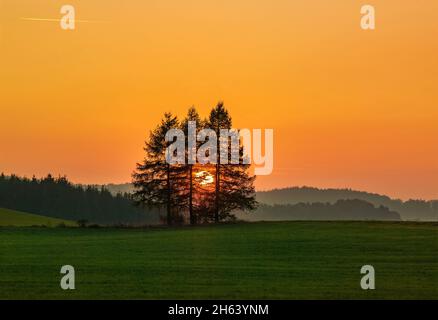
192,115
180,187
155,180
234,187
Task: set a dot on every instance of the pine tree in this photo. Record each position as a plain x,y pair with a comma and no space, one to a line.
192,115
234,186
155,179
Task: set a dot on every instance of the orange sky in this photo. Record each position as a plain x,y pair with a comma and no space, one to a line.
349,108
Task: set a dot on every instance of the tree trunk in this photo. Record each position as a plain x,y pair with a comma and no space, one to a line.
216,207
192,217
216,202
169,217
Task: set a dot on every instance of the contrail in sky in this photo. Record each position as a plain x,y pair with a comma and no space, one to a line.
58,20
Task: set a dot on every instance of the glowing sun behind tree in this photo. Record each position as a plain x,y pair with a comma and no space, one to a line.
204,178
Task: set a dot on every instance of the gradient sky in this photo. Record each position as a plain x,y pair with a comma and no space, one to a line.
349,108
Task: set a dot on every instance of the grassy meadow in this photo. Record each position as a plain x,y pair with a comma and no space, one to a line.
23,219
275,260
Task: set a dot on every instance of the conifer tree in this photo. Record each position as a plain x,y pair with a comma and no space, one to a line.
234,186
191,147
155,179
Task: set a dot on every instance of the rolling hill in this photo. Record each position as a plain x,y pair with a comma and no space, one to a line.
413,209
23,219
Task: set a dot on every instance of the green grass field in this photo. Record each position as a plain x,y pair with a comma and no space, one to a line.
23,219
278,260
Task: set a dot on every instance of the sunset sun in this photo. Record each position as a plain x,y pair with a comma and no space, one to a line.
204,177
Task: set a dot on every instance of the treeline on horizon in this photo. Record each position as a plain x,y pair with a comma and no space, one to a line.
412,209
59,198
340,210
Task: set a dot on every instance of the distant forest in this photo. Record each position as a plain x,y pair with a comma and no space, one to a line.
340,210
409,210
112,204
57,197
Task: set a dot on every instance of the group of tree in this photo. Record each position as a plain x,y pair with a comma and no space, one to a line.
353,209
193,193
57,197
